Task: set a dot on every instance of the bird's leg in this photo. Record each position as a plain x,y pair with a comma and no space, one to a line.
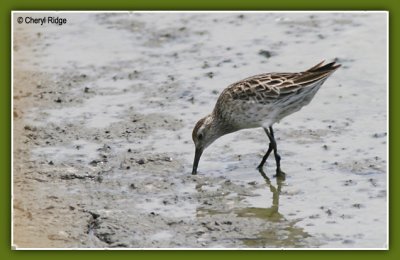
279,172
270,148
264,159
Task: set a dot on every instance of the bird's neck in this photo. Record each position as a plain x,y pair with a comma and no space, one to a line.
220,126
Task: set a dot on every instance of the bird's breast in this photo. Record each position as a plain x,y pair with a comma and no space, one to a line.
245,114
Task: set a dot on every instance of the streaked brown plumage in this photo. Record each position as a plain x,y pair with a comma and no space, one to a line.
259,101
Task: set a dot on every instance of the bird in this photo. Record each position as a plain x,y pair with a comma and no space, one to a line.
259,101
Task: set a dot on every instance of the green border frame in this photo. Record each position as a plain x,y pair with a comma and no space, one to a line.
6,6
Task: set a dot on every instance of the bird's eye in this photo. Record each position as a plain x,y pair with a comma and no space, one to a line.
200,137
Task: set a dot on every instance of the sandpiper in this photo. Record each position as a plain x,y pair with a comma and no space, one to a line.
259,101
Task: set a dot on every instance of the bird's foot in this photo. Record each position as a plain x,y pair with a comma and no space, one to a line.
280,174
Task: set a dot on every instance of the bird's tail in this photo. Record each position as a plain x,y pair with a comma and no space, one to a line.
316,74
332,66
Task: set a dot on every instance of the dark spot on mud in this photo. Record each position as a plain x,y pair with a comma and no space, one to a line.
210,74
95,162
379,135
167,159
133,75
94,228
348,241
105,147
205,65
373,182
349,183
93,222
265,53
224,61
39,180
105,237
343,60
99,179
76,176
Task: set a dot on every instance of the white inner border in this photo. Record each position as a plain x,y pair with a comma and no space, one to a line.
15,247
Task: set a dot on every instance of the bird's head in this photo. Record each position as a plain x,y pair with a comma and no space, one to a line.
203,135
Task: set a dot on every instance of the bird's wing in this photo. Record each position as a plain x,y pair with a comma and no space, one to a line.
265,88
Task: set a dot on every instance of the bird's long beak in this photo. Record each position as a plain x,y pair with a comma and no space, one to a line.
197,156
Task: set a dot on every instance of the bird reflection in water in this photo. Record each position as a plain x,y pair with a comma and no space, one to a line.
271,213
279,232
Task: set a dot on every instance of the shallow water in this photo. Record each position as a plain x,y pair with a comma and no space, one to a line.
126,90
